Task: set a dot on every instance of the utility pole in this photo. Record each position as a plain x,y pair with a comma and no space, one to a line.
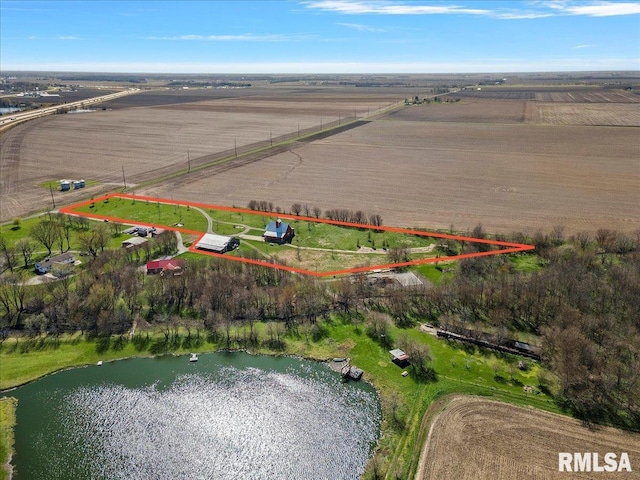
188,162
124,180
271,137
52,199
235,147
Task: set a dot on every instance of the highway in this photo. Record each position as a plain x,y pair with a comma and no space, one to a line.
9,120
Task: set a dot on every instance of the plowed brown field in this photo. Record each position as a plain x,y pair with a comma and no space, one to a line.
512,165
436,174
152,140
476,439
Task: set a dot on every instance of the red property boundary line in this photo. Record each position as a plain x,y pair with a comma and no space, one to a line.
508,247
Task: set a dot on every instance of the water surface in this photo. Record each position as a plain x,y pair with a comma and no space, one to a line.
228,416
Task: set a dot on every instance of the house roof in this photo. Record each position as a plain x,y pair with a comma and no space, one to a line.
399,354
211,241
276,229
66,257
166,264
134,241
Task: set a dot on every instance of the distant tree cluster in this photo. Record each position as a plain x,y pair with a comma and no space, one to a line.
337,214
260,206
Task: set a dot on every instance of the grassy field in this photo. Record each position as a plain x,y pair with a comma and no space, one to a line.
7,422
11,234
309,234
148,212
319,246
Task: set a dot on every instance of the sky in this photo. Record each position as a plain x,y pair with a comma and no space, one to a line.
319,36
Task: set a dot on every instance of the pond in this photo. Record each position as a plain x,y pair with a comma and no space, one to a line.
229,415
5,110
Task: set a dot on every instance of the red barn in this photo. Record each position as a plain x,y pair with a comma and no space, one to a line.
173,266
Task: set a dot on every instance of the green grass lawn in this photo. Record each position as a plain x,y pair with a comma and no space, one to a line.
323,235
527,262
308,234
431,272
132,211
12,234
7,422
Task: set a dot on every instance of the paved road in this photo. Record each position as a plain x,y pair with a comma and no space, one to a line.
7,121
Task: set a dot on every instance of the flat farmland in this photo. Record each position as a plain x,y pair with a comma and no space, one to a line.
565,112
587,94
508,177
476,439
152,140
510,164
619,114
468,110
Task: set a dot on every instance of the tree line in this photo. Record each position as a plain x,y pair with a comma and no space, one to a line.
336,214
578,299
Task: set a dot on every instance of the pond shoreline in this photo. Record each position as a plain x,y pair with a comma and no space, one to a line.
256,372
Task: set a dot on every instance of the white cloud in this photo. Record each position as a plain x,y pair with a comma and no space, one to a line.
596,9
362,28
246,37
533,10
390,8
67,37
577,47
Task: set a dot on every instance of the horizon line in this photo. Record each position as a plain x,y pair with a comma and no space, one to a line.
5,71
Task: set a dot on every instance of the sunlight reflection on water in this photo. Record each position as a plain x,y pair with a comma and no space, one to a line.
236,423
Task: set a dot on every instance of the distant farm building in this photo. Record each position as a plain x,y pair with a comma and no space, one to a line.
404,279
78,184
172,266
399,357
47,265
65,185
217,243
134,242
278,232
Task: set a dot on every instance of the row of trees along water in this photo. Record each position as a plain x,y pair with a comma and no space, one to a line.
577,296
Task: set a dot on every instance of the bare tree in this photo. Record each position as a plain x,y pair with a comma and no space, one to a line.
13,295
8,254
26,247
399,254
375,220
582,239
46,232
359,217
